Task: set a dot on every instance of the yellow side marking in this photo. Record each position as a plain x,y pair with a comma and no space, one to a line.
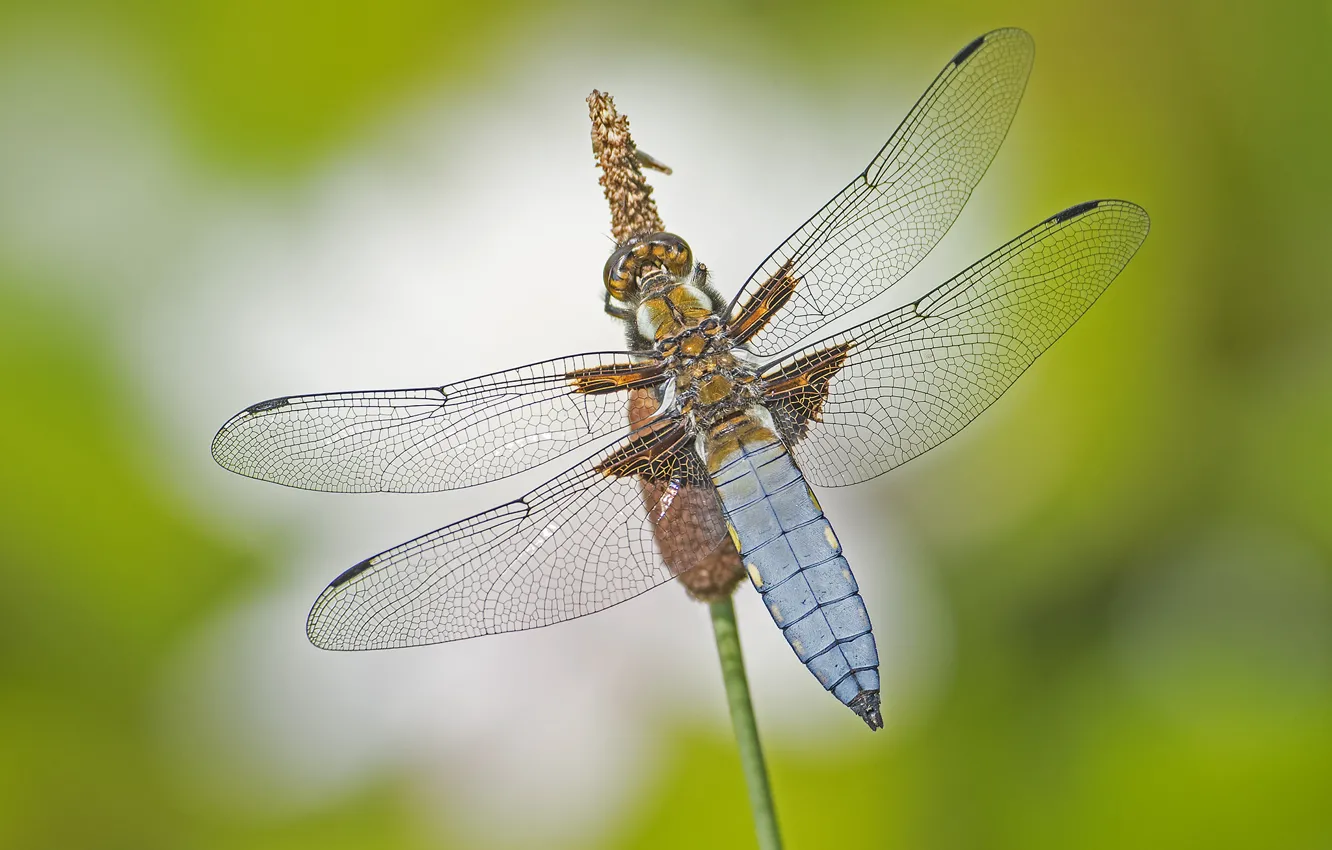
776,611
754,575
735,536
832,538
798,647
814,499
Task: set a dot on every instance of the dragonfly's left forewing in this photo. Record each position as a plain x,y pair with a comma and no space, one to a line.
579,543
435,438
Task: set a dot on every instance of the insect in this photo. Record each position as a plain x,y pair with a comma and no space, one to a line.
744,414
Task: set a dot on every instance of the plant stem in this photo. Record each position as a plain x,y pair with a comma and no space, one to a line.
746,727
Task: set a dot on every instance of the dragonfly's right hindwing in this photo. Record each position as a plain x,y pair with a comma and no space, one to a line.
862,402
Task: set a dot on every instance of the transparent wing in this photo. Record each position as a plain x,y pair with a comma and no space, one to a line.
434,438
579,543
891,389
887,219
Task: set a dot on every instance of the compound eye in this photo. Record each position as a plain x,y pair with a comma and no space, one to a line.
642,257
668,251
618,274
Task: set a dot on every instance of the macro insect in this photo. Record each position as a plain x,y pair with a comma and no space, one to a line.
739,414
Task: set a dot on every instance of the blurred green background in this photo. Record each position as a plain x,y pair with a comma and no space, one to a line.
1133,555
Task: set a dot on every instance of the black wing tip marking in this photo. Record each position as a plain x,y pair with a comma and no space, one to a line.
219,446
866,707
1007,33
1074,211
317,632
1127,208
965,53
350,573
270,404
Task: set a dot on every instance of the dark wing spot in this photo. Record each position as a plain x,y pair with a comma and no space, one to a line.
1074,211
271,404
351,573
968,50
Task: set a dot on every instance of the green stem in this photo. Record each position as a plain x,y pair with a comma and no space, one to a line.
746,728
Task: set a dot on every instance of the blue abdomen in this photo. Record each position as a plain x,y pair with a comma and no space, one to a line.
795,562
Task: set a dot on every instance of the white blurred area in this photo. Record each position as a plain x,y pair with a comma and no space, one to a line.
464,233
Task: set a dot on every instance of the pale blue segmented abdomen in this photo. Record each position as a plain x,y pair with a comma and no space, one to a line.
795,561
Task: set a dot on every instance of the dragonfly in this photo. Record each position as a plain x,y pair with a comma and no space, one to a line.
746,415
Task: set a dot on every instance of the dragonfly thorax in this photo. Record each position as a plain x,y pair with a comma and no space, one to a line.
677,313
715,383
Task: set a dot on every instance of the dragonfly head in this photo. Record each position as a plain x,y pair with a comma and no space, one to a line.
644,258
